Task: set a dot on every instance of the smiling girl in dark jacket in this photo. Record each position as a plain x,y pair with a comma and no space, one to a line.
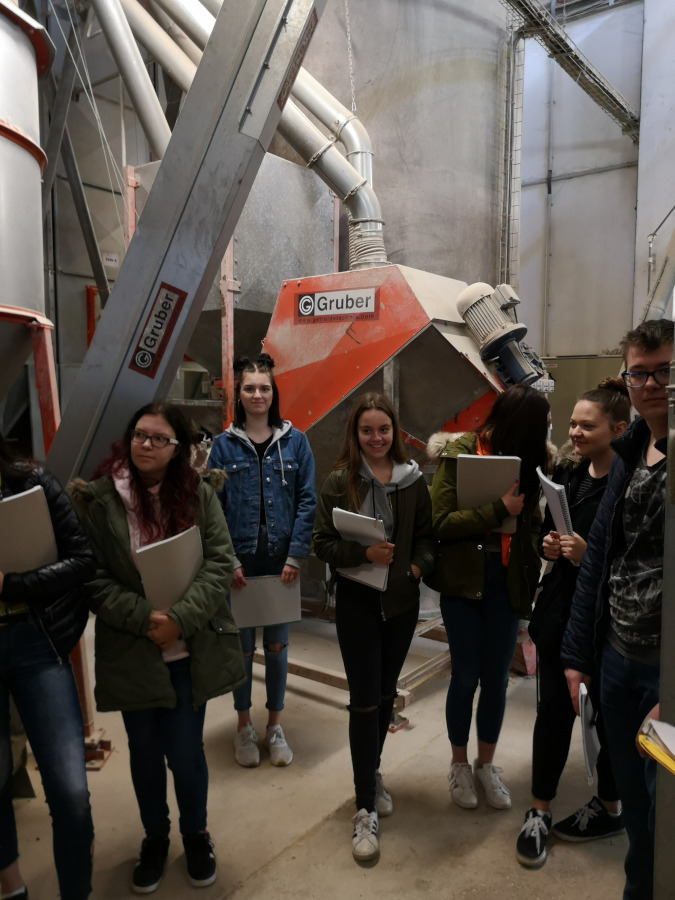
599,416
373,477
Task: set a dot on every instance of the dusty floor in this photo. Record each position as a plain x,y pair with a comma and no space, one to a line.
282,833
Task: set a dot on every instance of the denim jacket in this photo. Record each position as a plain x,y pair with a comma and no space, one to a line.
287,490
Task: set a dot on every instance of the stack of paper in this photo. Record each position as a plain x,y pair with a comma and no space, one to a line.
658,740
366,531
26,534
169,567
484,479
266,600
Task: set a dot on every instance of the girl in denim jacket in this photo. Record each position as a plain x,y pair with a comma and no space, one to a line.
269,501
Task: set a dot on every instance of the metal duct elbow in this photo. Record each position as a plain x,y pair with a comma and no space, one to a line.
366,228
345,125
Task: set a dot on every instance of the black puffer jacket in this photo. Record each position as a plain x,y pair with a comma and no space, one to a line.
48,590
552,609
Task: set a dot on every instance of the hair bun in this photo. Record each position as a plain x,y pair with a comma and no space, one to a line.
614,384
240,364
265,360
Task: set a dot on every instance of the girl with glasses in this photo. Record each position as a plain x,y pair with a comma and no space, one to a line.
160,666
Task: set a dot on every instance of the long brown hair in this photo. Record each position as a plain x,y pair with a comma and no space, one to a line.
178,497
350,452
517,426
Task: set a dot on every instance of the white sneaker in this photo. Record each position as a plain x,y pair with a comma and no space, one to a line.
462,787
246,747
280,753
364,839
384,805
496,792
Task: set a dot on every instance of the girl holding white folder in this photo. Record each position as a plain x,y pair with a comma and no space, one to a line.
269,501
159,667
40,624
373,476
582,467
487,581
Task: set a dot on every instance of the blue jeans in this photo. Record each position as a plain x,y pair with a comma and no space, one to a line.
276,664
482,636
174,735
46,698
628,691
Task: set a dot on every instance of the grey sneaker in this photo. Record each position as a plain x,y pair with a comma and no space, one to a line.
462,787
384,805
246,747
496,792
364,840
280,753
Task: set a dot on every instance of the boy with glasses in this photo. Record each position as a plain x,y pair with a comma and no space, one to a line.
615,622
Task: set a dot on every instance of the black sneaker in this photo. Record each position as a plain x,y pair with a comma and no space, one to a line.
531,843
150,867
590,823
200,858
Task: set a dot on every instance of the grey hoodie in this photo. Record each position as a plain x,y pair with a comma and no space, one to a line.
377,502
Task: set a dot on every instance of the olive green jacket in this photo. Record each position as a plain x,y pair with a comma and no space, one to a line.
413,539
462,533
130,672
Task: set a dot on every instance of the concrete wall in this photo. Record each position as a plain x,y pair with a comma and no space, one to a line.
578,230
428,80
656,172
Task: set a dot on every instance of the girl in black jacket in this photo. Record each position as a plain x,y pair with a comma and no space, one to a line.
599,416
39,625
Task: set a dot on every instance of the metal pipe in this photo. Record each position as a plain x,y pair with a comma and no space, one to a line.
158,43
177,35
345,125
192,18
366,239
134,74
660,298
58,116
213,6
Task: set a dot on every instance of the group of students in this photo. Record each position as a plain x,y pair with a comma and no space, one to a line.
257,514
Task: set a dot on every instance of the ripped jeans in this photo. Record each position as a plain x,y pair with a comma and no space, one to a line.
276,664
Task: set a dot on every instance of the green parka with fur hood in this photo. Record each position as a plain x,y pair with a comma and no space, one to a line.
130,672
462,533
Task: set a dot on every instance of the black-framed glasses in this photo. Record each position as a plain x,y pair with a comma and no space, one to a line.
640,379
159,441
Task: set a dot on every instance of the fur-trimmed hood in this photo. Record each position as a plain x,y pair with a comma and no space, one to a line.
438,441
80,491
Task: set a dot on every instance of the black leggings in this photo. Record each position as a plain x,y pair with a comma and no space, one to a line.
373,652
553,731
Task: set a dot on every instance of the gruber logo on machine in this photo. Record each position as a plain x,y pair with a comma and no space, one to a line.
336,306
149,350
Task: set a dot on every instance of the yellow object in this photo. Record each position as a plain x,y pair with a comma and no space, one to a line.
652,746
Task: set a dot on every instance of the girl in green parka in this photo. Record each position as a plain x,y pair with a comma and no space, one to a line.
487,581
159,667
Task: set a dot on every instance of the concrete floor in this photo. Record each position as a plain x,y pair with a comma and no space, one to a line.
286,833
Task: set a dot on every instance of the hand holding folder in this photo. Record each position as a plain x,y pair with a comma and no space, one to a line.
367,531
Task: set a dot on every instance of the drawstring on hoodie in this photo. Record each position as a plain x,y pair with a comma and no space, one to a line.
281,460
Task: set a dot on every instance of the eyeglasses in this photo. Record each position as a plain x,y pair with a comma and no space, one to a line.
159,441
640,379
